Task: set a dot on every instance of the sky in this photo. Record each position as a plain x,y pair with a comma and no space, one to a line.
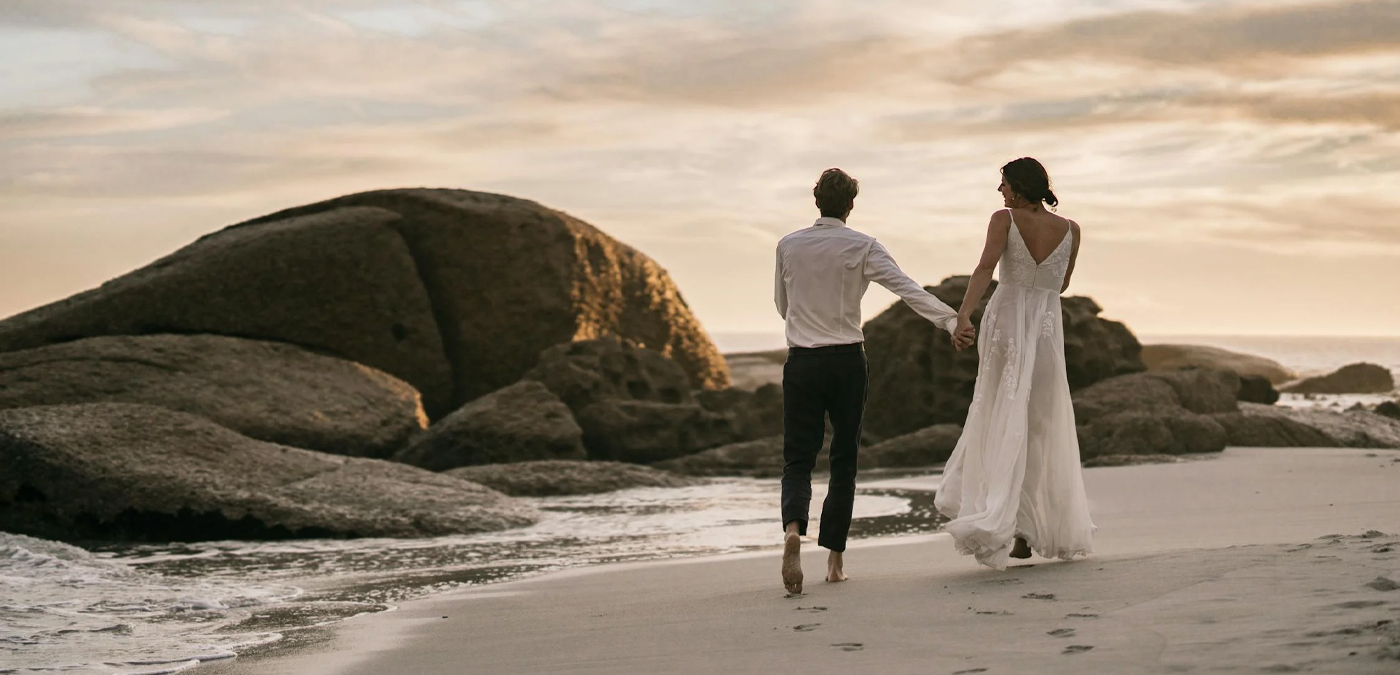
1234,164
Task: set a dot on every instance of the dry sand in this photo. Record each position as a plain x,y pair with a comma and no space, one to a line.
1220,565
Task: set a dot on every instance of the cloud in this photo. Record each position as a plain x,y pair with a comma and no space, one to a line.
90,121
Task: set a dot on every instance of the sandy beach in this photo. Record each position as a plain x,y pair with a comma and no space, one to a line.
1259,560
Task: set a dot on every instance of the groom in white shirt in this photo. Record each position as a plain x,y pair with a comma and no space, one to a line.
822,274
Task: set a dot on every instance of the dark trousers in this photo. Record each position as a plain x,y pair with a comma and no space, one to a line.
817,383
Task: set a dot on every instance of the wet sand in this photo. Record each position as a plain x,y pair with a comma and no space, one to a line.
1217,565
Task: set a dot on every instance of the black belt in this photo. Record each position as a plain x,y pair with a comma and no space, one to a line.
828,349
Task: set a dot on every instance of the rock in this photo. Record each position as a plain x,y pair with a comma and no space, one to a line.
559,477
754,369
1140,392
1264,431
455,292
265,390
1352,429
917,379
1357,378
588,371
754,414
1130,460
1202,390
925,447
119,471
1177,357
1389,409
762,458
1257,389
647,431
1152,432
522,422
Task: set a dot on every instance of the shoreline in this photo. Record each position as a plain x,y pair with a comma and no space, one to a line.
1192,527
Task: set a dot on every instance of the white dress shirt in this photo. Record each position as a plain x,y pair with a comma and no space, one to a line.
822,274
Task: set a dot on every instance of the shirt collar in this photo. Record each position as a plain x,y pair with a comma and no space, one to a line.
826,220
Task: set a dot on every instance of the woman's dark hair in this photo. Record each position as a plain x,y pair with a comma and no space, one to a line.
1029,179
835,192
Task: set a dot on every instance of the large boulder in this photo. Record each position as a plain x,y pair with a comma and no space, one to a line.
1389,409
1257,389
1176,432
754,414
118,471
265,390
762,458
633,403
1357,378
917,379
560,477
647,431
455,292
1177,357
1271,431
1155,413
925,447
1352,429
522,422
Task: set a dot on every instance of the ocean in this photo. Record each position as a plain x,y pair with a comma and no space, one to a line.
109,608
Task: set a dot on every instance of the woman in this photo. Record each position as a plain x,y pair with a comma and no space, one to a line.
1015,473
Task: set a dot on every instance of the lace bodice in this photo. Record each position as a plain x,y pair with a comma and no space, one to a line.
1018,268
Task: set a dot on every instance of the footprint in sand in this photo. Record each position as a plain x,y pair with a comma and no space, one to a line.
969,671
1001,613
1012,580
1077,649
848,646
1039,596
813,609
1360,604
1061,632
1383,584
805,627
1081,616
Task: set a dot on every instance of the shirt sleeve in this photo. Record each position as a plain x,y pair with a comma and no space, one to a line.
881,269
779,288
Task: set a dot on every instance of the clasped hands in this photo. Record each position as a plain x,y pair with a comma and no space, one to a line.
964,335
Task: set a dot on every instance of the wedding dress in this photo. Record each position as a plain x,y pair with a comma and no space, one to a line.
1015,471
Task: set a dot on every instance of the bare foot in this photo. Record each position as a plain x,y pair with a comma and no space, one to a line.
792,562
833,568
1021,550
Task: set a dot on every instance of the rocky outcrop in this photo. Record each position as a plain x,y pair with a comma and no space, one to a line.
118,471
1357,378
1271,431
1257,389
753,414
454,292
1156,413
917,379
762,458
1389,409
1177,357
555,478
265,390
634,404
1352,429
646,431
522,422
925,447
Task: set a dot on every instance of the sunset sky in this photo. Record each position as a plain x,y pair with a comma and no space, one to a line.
1235,165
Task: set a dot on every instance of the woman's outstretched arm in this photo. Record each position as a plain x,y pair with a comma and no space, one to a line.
997,230
1073,255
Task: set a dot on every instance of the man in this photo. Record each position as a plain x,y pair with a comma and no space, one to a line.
822,273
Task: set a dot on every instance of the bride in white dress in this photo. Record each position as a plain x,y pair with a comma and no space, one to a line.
1014,484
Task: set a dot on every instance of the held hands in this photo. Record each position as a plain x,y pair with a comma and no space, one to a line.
964,335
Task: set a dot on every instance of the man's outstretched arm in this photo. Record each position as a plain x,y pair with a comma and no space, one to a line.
881,269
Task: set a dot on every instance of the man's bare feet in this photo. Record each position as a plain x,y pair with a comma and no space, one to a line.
792,561
833,567
1021,550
